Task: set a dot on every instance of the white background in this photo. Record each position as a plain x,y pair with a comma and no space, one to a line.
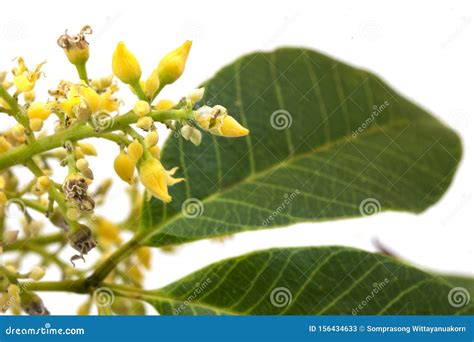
423,49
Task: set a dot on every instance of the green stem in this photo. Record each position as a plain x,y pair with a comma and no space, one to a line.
82,71
139,91
40,240
21,154
76,286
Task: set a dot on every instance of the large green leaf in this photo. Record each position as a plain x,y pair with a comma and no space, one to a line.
307,281
354,147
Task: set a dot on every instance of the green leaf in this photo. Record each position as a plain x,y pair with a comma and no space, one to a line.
309,281
354,147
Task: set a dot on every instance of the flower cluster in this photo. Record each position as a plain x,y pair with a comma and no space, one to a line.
51,130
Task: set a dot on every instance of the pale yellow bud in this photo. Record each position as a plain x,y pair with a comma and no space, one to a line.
19,132
145,123
141,108
151,139
152,84
196,95
43,183
82,164
88,149
155,151
125,66
10,236
37,273
164,104
29,96
4,145
36,125
172,65
38,110
124,167
135,151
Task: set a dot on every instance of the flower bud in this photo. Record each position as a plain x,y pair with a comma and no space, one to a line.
164,104
135,151
196,95
145,123
171,66
82,164
231,128
43,183
37,273
152,84
151,139
155,151
36,125
10,236
4,145
124,167
88,149
141,108
125,66
29,96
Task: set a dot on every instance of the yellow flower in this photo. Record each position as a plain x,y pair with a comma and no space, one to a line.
124,167
108,103
125,66
156,179
91,98
38,110
25,79
171,66
151,139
